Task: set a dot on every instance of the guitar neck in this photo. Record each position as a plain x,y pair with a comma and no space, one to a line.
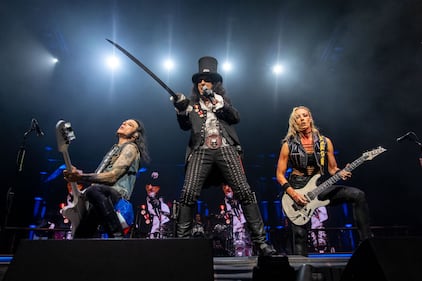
66,158
333,179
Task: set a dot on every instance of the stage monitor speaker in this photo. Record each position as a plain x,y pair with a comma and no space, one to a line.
112,260
386,259
273,268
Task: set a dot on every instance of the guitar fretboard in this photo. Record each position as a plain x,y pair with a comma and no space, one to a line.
332,180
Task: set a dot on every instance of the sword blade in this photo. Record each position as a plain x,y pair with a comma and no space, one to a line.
146,69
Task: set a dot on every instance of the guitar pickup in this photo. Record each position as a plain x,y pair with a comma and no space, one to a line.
310,196
296,206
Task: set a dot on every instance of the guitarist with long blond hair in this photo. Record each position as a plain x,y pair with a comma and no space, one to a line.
309,153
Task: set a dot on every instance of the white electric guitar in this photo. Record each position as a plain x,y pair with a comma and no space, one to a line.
75,209
299,214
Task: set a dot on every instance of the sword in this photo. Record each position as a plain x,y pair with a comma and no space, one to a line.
146,69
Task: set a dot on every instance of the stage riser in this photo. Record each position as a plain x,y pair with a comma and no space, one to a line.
111,260
388,259
241,268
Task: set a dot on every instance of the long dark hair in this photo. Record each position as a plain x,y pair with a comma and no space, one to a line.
141,142
217,88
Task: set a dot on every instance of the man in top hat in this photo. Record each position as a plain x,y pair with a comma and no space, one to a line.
158,210
214,152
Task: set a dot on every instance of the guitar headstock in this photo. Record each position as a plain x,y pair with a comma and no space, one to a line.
64,135
369,155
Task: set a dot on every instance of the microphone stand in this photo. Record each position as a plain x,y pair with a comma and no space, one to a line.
416,140
412,136
19,168
174,215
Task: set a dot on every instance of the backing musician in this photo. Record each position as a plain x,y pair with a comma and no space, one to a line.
113,180
306,151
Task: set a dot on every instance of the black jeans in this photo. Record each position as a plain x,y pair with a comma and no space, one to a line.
102,199
337,194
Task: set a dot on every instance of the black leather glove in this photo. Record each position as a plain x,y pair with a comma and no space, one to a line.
182,103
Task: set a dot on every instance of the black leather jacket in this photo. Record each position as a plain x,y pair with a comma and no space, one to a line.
194,121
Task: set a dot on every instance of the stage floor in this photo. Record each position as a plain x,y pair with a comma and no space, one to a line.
324,266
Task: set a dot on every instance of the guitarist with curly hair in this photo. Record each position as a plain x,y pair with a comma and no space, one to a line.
309,154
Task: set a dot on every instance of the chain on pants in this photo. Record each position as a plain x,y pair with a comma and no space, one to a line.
199,166
228,162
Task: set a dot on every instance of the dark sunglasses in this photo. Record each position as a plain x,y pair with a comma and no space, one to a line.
206,79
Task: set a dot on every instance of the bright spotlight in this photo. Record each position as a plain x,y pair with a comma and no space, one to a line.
169,64
54,60
113,62
227,66
278,69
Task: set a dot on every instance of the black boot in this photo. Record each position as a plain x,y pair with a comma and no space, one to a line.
110,220
256,228
361,217
184,221
300,239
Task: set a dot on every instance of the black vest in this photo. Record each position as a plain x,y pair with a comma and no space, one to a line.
298,158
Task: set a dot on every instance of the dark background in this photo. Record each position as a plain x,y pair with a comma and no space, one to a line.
356,64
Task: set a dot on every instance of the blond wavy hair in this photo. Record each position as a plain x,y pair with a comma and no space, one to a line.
293,127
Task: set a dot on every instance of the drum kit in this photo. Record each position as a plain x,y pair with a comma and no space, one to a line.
226,242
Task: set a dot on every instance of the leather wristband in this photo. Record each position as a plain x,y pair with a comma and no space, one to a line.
286,185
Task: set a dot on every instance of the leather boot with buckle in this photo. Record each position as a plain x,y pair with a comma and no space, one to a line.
256,228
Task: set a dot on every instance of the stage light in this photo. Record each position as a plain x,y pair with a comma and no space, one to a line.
227,66
278,69
54,60
169,64
113,62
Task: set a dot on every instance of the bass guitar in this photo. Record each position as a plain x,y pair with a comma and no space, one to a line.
299,214
75,209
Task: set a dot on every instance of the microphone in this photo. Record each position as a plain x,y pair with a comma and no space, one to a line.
208,94
37,127
405,136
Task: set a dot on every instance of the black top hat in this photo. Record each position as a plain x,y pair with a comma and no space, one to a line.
208,69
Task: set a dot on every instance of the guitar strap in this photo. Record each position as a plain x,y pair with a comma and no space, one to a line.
107,159
322,151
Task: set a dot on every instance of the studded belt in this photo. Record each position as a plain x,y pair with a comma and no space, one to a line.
213,141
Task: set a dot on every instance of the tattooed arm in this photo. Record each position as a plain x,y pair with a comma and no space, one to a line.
120,167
